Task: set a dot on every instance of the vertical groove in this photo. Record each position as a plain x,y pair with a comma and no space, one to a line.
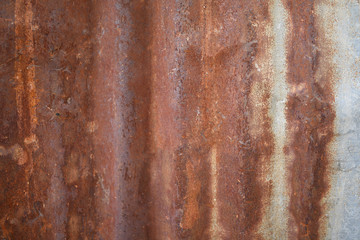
164,136
194,201
132,40
180,119
210,104
105,96
241,122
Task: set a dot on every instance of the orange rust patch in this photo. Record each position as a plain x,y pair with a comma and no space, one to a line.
191,208
18,154
25,67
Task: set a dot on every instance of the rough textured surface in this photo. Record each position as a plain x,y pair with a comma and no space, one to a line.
179,119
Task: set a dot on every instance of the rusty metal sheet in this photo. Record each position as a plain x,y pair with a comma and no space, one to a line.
179,119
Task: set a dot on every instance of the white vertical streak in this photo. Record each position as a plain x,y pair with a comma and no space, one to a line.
215,229
274,225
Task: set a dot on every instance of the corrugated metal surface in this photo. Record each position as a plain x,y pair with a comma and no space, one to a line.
179,119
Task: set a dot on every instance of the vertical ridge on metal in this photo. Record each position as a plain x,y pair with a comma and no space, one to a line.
179,119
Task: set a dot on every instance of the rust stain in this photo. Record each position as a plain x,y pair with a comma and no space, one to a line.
191,214
190,119
18,119
245,142
209,121
63,164
310,118
26,98
25,68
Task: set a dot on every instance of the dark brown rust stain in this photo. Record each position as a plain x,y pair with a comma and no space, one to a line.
8,111
310,118
216,110
63,52
16,139
244,151
196,97
189,176
176,157
192,166
62,177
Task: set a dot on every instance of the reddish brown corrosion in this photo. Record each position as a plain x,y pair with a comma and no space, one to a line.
310,117
17,123
151,119
64,161
243,153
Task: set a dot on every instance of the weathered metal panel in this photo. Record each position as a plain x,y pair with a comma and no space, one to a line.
179,119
